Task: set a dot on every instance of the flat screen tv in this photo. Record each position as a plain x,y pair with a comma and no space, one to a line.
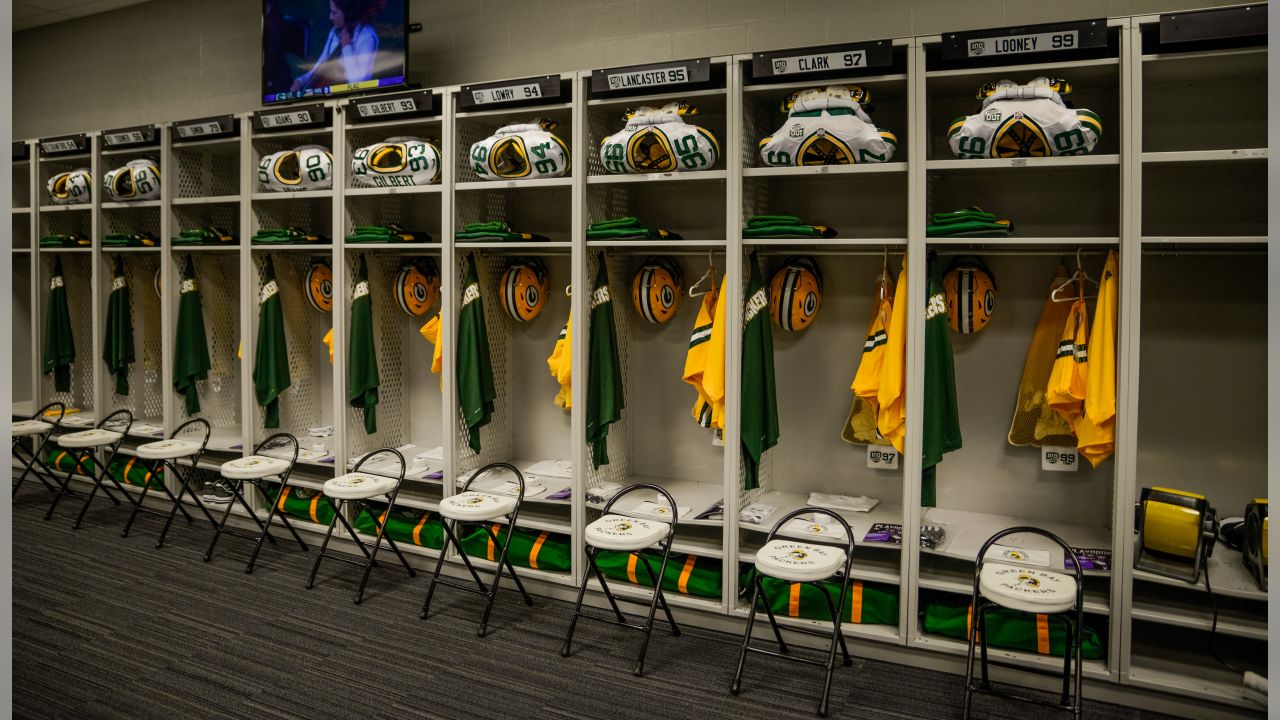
314,49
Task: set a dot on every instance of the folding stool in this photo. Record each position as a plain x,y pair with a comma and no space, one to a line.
162,456
39,430
257,470
84,445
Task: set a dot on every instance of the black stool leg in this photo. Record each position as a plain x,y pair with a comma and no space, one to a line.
497,579
837,638
835,616
184,486
653,609
333,522
773,621
981,620
45,474
266,529
968,665
64,486
153,470
756,594
226,515
1066,668
435,576
577,606
377,544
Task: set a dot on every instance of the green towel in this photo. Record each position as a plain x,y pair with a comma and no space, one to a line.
502,237
286,236
142,239
204,236
761,220
72,240
385,234
789,231
629,233
973,228
961,215
492,226
629,221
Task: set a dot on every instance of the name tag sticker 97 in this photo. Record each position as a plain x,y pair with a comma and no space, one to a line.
882,457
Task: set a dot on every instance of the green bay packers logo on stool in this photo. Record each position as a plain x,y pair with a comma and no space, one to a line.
795,293
524,288
417,287
397,161
319,283
657,288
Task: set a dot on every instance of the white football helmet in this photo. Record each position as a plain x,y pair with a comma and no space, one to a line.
396,161
309,167
527,150
138,180
659,140
70,188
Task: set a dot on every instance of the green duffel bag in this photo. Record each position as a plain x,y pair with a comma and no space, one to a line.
685,574
405,525
125,470
1011,629
302,503
866,603
529,548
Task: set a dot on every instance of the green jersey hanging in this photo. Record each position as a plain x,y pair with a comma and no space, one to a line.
941,418
190,347
271,358
476,393
117,353
605,397
59,346
362,372
759,401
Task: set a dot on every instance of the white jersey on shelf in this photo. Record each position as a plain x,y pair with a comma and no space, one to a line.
525,150
397,161
659,140
827,126
1024,121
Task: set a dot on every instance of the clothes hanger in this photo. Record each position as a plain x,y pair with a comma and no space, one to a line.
709,274
1079,277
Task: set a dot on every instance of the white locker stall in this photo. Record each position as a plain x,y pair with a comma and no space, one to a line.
26,357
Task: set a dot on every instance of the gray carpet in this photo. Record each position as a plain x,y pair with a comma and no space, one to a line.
110,627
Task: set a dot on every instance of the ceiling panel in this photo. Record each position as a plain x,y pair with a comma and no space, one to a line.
28,14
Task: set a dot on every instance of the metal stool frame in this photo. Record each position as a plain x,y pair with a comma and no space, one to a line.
1072,678
836,635
658,599
236,485
450,538
49,478
155,467
370,559
101,475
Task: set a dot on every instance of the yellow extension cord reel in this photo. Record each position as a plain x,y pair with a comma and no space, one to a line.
1176,533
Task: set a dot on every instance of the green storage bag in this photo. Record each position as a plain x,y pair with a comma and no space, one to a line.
1011,629
302,503
405,525
867,603
125,470
529,548
685,574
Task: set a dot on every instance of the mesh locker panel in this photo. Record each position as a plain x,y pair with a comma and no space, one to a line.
314,215
601,123
482,206
306,402
207,171
76,271
391,339
221,215
66,223
760,118
131,221
21,185
419,213
606,203
21,231
619,468
495,438
756,198
146,385
218,277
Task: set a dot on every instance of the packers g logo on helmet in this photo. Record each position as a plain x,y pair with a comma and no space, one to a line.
72,187
417,287
137,180
971,294
525,287
395,162
795,294
526,150
309,167
656,289
320,286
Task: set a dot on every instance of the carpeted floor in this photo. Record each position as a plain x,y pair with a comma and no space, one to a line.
110,627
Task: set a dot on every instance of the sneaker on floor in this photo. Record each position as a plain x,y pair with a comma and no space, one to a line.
216,493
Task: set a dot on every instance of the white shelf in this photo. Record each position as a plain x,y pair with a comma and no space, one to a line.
1197,618
1229,576
384,124
66,208
221,247
674,177
1028,69
385,191
835,242
890,513
142,151
207,200
1179,673
209,142
309,247
130,205
1200,156
1023,241
810,170
1035,163
286,134
404,246
509,184
521,110
967,531
294,195
21,210
518,247
22,251
655,98
696,496
802,84
655,244
66,249
128,249
1154,241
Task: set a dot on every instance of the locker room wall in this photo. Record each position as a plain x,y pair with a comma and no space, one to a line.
176,59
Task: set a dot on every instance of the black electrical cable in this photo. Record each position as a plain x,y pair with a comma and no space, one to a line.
1213,627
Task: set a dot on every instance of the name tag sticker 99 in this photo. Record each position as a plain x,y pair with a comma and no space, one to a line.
1054,458
1019,44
